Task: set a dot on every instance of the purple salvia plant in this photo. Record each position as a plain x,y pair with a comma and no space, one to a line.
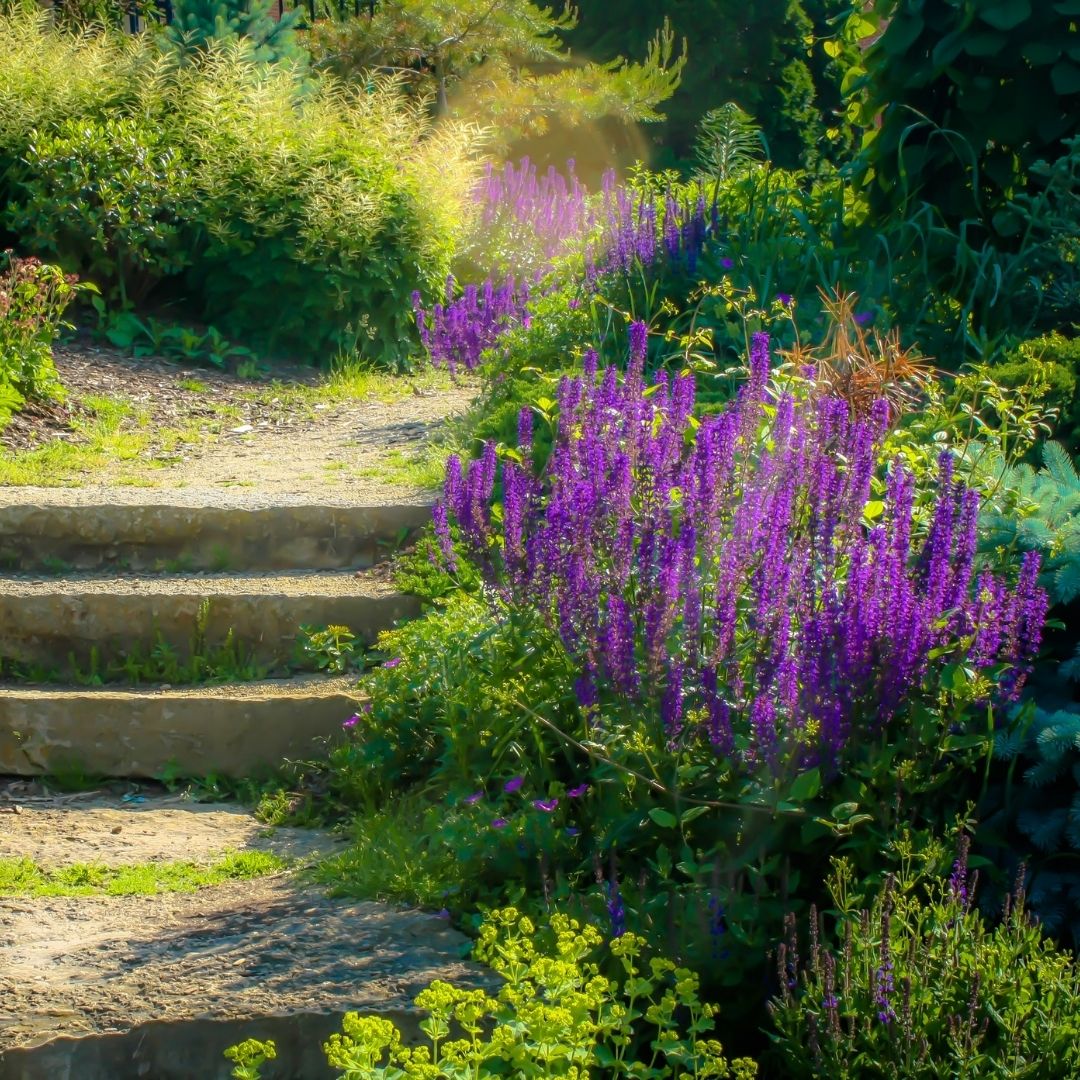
554,214
727,574
547,213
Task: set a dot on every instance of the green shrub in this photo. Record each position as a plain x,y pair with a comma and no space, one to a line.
1055,359
33,297
919,986
302,217
555,1017
108,198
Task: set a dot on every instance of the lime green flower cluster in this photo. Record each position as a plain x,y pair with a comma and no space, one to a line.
555,1017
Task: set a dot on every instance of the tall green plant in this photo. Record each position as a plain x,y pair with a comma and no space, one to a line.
945,96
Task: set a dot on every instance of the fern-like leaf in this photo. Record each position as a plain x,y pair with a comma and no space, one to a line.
729,140
1060,466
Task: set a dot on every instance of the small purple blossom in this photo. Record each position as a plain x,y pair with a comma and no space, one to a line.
349,724
546,805
864,317
571,831
616,910
500,823
473,799
577,792
392,663
727,264
785,299
513,784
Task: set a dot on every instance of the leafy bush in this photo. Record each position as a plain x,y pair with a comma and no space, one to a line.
33,297
921,987
1055,360
555,1017
950,87
109,198
303,217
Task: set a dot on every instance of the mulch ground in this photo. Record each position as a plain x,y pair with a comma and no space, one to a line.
152,384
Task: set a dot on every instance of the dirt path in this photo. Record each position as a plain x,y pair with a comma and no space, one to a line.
259,438
145,827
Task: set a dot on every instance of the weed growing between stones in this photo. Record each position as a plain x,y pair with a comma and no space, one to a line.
24,877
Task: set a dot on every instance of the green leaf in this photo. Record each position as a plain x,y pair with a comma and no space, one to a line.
694,813
964,742
1065,77
664,818
1007,15
805,786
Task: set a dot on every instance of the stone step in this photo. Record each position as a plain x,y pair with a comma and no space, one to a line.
44,621
237,730
84,531
130,987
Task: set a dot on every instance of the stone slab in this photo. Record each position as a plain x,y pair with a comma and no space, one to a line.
231,731
47,622
112,988
140,536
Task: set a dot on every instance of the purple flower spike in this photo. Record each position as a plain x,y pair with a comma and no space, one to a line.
475,797
577,792
349,724
500,823
547,805
513,785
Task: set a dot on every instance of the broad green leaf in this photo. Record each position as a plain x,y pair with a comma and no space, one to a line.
664,818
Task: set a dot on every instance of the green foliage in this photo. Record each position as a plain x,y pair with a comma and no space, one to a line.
766,55
1039,510
555,1016
33,297
296,220
1033,812
151,337
499,62
953,84
918,986
728,141
108,199
198,23
1055,359
328,649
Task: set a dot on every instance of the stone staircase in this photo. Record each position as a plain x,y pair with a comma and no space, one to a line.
90,575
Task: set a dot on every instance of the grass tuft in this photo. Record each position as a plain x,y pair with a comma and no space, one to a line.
24,877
